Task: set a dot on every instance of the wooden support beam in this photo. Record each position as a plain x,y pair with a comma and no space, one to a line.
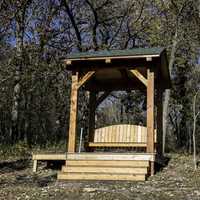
92,108
150,111
102,98
150,115
148,59
73,114
159,120
108,60
34,166
85,78
139,76
68,62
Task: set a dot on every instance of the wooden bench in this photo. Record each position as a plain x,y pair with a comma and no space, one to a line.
122,135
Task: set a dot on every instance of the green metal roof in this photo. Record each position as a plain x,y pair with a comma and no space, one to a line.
115,53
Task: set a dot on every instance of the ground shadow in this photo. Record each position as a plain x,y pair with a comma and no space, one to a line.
11,166
55,164
161,163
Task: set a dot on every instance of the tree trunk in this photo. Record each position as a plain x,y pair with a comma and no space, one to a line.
195,115
17,84
167,92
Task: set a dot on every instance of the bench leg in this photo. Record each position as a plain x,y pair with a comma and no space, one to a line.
34,165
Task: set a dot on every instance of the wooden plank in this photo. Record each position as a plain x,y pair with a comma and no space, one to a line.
118,163
114,133
34,165
49,156
115,170
95,176
68,62
111,156
116,144
102,135
85,78
107,135
148,59
117,133
108,60
150,111
109,131
113,57
122,133
96,135
144,135
129,132
139,76
73,113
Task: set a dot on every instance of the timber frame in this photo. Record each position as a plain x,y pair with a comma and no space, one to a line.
107,71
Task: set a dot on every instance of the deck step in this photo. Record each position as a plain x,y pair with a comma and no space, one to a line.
100,176
118,163
110,156
108,170
106,166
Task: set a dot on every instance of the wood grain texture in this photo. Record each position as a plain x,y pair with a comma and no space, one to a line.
85,78
116,144
106,169
111,156
150,111
73,113
121,135
49,156
118,163
139,76
98,176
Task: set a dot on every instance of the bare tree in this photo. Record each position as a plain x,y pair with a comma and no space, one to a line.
195,116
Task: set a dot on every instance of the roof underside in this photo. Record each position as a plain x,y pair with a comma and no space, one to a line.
112,68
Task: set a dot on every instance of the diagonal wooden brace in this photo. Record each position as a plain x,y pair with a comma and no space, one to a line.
85,78
139,76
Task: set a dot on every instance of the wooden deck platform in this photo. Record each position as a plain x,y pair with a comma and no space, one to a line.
106,166
100,166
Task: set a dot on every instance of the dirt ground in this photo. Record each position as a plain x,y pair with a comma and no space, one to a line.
176,181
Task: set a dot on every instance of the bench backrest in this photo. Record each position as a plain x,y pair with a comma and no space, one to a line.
122,133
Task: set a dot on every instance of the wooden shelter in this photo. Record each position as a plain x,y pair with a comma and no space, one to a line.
105,71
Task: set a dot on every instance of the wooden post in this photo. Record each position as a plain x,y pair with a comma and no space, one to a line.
73,113
159,121
92,108
150,115
34,165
